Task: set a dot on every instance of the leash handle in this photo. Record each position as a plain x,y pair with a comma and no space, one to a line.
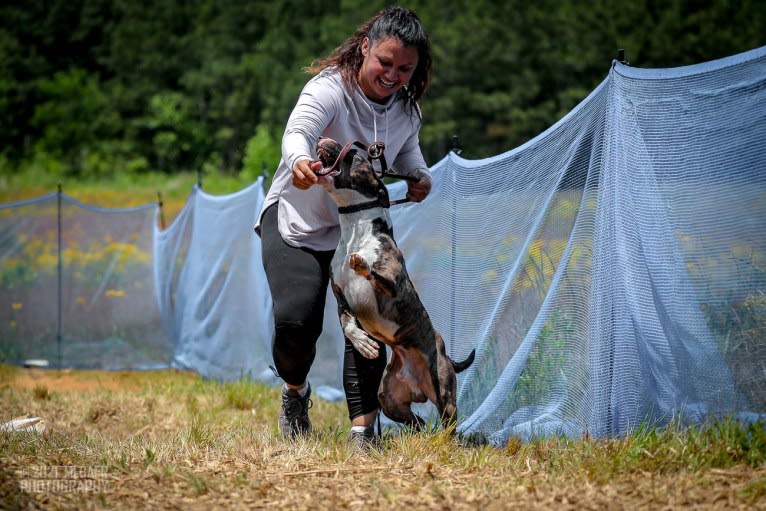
399,201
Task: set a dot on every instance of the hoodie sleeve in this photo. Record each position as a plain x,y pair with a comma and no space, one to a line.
316,108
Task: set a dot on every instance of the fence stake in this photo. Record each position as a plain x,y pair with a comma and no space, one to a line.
453,261
456,148
162,214
60,277
621,57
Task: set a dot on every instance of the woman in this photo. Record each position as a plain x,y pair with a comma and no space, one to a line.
367,89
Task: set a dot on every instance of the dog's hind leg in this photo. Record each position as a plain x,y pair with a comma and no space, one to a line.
449,416
395,397
446,383
400,412
446,402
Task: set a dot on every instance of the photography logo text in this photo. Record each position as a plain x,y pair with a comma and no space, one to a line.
63,479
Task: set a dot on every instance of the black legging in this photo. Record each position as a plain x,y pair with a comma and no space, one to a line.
298,279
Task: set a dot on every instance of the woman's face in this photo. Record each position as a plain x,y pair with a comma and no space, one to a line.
388,65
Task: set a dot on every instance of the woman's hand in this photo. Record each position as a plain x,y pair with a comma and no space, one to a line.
304,173
418,190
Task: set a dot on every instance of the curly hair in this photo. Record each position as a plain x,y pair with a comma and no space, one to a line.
394,21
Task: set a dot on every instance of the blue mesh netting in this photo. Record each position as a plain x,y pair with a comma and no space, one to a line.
77,286
609,273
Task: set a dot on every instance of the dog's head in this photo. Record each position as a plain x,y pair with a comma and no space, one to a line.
350,177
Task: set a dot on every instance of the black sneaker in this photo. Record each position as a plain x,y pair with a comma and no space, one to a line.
364,439
294,415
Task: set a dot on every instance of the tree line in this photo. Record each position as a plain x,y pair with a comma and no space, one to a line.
93,87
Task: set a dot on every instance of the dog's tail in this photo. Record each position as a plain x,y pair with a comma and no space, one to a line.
462,366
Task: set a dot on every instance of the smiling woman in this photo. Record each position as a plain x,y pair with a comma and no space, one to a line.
388,66
366,90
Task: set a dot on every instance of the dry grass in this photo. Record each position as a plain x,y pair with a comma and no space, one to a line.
170,440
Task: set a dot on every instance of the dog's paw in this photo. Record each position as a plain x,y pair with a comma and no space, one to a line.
363,343
359,265
367,347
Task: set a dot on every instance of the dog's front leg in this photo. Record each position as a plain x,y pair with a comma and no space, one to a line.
362,342
381,282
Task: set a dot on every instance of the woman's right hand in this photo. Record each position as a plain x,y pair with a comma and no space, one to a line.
304,173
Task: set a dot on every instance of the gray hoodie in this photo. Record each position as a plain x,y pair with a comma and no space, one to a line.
309,218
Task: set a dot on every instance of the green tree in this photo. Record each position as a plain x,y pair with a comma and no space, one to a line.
101,85
75,122
262,154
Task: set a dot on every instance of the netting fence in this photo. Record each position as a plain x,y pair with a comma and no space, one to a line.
609,273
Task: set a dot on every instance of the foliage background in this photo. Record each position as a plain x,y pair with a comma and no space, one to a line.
97,88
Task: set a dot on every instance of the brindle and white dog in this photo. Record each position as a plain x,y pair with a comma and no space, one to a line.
376,298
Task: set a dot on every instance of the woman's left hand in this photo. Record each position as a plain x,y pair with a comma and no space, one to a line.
418,190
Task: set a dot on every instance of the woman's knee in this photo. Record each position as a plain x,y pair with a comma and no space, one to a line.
296,334
294,351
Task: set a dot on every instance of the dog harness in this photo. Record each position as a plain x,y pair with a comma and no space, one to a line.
374,152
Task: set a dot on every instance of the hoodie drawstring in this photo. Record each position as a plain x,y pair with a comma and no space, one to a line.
375,120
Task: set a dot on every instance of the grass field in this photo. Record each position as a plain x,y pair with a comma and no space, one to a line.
172,440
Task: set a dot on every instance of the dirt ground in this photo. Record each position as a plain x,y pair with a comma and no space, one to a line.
165,463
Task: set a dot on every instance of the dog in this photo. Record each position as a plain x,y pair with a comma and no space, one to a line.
376,298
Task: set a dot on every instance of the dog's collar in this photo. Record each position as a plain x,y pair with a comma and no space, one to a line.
353,208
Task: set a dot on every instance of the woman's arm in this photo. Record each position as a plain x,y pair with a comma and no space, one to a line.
313,112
